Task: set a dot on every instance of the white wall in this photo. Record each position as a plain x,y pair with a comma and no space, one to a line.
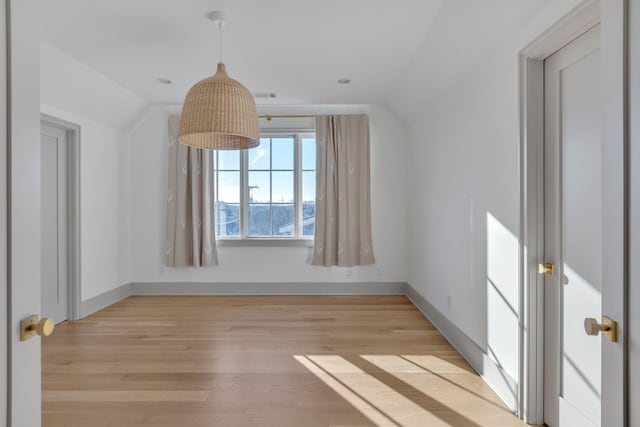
634,258
464,204
464,210
270,264
73,92
123,185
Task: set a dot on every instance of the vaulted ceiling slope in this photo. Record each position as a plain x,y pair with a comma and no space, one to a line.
399,52
70,85
465,33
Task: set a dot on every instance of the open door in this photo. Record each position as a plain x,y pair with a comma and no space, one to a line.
24,395
573,232
3,212
575,173
585,229
615,230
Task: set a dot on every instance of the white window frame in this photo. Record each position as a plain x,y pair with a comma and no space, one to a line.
297,239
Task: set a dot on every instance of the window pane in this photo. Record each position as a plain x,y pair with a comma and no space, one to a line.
282,184
309,153
259,188
227,219
282,153
229,187
271,202
259,220
259,156
308,186
228,159
308,219
282,219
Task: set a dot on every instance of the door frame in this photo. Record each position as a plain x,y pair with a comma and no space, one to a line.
74,288
613,16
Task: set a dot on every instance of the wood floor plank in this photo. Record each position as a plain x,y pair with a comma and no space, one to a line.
261,361
124,396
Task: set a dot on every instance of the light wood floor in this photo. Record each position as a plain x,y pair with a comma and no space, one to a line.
261,361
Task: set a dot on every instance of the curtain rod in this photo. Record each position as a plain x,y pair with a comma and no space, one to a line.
286,116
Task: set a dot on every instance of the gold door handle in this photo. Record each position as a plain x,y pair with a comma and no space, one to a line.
608,327
31,326
546,268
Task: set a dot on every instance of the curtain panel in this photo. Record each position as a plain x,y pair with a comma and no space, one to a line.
190,236
343,209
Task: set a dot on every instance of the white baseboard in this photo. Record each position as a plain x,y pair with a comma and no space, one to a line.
113,296
501,382
254,288
104,300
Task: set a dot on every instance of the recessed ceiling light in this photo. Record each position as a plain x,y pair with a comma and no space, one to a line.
164,81
344,81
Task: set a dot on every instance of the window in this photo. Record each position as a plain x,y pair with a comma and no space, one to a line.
267,192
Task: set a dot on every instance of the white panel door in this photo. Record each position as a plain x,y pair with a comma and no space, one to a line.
573,232
53,220
24,245
3,213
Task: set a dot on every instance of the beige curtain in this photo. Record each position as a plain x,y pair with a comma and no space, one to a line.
343,210
191,239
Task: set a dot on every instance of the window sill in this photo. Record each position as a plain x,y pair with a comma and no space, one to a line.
257,243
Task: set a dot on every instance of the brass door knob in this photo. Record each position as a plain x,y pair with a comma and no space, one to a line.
592,327
546,268
608,327
32,326
45,327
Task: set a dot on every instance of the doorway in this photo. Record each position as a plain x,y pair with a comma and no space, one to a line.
59,219
573,195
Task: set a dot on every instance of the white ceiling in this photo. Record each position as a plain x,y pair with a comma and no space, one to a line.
395,52
296,48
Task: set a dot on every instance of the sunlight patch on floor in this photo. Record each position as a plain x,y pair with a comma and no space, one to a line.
411,390
380,403
448,384
347,394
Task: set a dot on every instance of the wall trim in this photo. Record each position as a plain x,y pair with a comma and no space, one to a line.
104,300
492,373
268,288
113,296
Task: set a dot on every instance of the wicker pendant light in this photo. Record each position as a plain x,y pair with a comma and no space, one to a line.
219,113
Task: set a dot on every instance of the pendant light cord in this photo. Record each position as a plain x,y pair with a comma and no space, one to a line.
220,39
